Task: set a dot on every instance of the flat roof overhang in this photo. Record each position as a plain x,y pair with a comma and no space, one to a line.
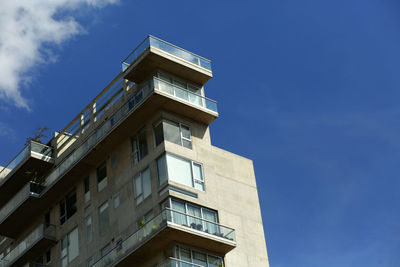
169,234
35,250
153,59
17,178
29,208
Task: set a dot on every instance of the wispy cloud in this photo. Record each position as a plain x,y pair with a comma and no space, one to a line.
6,131
27,27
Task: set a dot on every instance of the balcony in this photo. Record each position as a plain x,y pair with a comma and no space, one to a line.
16,214
35,157
32,246
167,227
145,99
153,53
172,262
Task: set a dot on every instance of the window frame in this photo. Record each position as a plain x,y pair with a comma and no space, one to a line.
66,239
192,251
136,196
137,149
63,206
192,163
101,184
181,137
101,230
86,189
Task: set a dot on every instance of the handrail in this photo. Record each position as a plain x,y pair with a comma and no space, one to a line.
171,260
200,59
137,238
184,89
31,239
27,149
180,48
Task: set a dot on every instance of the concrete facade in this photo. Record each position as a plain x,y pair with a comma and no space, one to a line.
124,229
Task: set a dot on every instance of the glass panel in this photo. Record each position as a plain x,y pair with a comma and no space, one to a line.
146,183
193,222
179,218
101,172
138,185
187,143
162,169
158,133
214,261
73,246
197,171
210,215
89,233
103,218
185,131
185,255
199,258
179,170
172,132
142,144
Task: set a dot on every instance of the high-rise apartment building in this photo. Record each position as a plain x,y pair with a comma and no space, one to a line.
133,179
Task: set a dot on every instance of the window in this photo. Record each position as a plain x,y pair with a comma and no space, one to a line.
104,220
174,132
180,89
101,176
89,229
47,219
116,201
69,247
86,189
180,170
48,256
197,257
114,161
139,146
142,186
68,207
194,216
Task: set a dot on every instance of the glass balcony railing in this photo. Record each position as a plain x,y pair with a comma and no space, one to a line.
166,47
184,94
33,148
27,243
158,222
30,189
143,91
172,262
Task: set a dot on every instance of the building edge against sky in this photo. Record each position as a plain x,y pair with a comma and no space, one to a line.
133,179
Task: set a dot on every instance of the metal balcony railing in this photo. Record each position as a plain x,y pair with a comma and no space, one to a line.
166,47
172,262
98,134
208,228
32,148
27,243
30,189
184,94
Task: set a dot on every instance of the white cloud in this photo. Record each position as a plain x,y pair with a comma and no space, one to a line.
25,27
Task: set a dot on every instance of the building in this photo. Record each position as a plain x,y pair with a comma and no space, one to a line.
133,179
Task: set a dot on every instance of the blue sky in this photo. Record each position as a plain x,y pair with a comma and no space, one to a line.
307,89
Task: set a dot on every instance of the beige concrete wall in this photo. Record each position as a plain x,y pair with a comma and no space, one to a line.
230,189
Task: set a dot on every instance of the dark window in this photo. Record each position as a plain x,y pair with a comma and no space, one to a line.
101,172
139,146
48,256
68,207
174,132
47,219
